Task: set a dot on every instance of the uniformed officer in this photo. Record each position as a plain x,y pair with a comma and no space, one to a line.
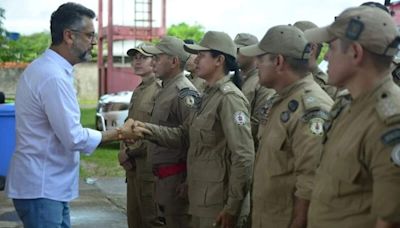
292,126
358,180
176,99
141,206
221,150
319,76
190,66
256,94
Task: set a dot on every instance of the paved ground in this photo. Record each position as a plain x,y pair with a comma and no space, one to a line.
101,204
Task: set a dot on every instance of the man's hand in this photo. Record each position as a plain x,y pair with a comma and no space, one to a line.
225,220
134,130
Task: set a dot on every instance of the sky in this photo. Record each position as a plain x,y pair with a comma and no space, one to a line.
231,16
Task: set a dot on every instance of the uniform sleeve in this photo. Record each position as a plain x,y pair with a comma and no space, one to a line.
234,117
306,145
186,103
171,137
386,177
261,96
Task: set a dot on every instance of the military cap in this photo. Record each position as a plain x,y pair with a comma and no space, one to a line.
372,27
304,25
245,39
286,40
214,40
138,49
168,45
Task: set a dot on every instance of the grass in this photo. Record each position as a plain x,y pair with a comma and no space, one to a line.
103,162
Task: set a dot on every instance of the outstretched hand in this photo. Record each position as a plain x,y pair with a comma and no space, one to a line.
134,130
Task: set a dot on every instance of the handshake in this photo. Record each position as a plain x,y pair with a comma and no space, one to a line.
132,131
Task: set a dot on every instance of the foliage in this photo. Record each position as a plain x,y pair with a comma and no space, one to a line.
103,161
2,30
185,31
26,48
323,52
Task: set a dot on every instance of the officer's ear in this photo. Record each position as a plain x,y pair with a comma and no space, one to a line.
220,60
357,53
279,62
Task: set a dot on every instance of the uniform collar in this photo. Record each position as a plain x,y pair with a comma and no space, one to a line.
295,86
170,81
148,79
217,84
372,94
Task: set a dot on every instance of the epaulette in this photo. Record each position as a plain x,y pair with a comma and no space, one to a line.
388,107
226,88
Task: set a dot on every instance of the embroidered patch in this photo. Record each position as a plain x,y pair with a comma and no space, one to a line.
285,116
315,114
317,126
293,105
191,98
240,118
391,137
395,157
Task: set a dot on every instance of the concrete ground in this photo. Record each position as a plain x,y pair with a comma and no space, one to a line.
101,204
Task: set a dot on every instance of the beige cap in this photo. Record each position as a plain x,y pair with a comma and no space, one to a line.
168,45
213,40
132,51
245,39
286,40
372,27
305,25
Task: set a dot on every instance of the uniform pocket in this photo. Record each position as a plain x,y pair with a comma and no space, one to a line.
346,173
278,158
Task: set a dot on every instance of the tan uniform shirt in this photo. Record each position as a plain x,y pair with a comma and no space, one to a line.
356,182
322,79
288,151
221,153
199,83
140,108
257,95
173,105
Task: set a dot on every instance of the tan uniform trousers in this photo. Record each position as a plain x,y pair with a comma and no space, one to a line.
175,208
141,205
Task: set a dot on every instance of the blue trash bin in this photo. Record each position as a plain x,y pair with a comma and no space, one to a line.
7,136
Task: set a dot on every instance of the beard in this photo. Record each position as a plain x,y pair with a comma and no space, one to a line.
82,55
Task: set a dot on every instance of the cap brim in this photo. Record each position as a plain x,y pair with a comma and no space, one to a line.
132,51
318,35
152,50
252,50
194,48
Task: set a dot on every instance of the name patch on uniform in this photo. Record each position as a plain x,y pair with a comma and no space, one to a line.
391,137
240,118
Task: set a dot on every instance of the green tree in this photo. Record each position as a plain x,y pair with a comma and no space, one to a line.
2,30
185,31
26,48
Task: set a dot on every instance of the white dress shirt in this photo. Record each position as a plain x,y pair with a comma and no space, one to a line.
49,136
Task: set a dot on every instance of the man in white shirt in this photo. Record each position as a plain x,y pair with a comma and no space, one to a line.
44,172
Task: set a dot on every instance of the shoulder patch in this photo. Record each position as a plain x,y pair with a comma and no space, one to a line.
191,98
388,108
315,114
391,137
395,155
240,118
